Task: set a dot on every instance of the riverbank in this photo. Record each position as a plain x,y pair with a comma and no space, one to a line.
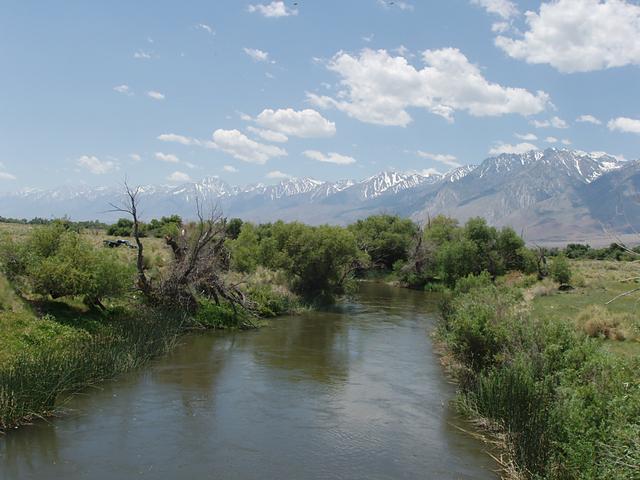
561,397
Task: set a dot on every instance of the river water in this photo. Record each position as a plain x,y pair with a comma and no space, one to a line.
354,393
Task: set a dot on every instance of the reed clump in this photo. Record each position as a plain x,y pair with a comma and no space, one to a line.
565,406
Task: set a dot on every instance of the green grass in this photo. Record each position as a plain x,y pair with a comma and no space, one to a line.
597,282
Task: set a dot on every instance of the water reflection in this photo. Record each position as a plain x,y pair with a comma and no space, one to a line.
352,393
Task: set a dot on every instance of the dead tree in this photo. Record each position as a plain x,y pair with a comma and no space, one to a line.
130,206
199,260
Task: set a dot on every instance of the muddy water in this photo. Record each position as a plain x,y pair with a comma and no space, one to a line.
354,393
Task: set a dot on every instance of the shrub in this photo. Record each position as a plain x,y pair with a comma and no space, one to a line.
560,270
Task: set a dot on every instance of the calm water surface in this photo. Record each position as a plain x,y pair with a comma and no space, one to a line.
355,393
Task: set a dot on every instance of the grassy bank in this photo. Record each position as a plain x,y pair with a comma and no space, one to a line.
563,399
51,348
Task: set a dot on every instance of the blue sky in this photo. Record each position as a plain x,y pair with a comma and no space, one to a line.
254,91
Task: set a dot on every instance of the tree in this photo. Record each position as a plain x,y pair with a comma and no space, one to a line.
122,228
199,259
58,262
560,270
234,227
385,238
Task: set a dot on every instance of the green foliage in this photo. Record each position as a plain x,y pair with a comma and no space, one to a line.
234,226
319,261
61,263
385,238
122,228
245,249
568,409
221,316
166,226
560,270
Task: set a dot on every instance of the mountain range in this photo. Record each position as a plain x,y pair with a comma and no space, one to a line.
550,195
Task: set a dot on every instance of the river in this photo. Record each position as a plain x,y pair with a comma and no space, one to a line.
353,393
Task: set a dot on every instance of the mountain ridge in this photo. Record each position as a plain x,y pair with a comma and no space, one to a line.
550,194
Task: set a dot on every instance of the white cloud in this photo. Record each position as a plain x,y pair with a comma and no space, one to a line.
551,140
273,10
179,177
124,89
379,88
155,95
579,35
503,8
331,157
230,169
135,157
167,157
258,55
508,148
239,146
306,123
529,137
565,141
278,174
95,165
172,137
269,135
206,28
7,176
400,4
367,38
588,119
500,27
141,54
554,122
449,160
624,124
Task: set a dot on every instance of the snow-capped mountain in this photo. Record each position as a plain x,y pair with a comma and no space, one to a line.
550,193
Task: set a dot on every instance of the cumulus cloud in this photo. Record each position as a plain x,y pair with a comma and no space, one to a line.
278,174
155,95
331,157
167,157
96,166
135,157
179,177
257,54
7,176
306,123
519,148
269,135
503,8
379,88
124,89
273,10
551,140
554,122
624,124
449,160
239,146
529,137
565,141
579,35
588,119
230,169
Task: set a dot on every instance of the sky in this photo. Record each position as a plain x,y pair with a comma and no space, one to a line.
163,92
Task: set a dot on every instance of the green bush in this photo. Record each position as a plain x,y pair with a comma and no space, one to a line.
62,263
560,270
